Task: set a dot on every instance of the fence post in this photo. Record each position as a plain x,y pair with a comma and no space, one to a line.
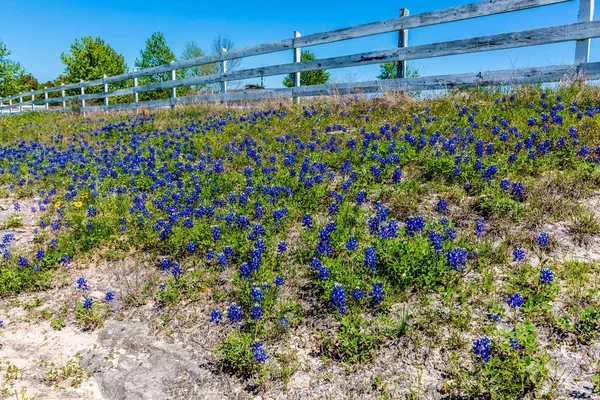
173,89
45,98
20,104
32,99
224,71
82,100
62,92
401,68
297,59
135,84
105,91
10,106
582,47
1,108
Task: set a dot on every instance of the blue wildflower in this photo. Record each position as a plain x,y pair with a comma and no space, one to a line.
546,276
234,313
515,301
377,294
338,298
216,316
260,356
482,349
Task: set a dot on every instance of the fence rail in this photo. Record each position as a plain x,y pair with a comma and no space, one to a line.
581,32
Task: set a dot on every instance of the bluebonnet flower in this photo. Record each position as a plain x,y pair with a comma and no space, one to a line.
17,207
370,257
517,191
414,225
515,301
514,343
457,258
82,284
377,294
191,247
338,298
324,273
307,221
518,255
494,316
543,239
436,241
546,276
176,270
256,293
283,322
88,303
23,261
397,175
357,293
234,313
216,233
351,244
256,313
441,205
40,254
260,356
65,259
281,247
482,349
490,172
479,228
216,316
504,184
109,297
361,197
91,211
278,280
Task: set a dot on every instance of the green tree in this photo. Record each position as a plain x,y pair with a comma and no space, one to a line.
310,77
11,73
91,58
156,53
190,51
389,70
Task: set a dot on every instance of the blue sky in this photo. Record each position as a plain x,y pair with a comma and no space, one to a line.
37,31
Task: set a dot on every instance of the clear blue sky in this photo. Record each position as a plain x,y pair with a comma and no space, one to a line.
37,31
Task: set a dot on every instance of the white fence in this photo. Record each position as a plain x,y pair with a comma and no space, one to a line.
581,32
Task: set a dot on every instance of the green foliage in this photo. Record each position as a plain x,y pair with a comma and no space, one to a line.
588,325
389,70
155,53
12,74
91,58
57,324
190,51
310,77
510,373
91,318
236,355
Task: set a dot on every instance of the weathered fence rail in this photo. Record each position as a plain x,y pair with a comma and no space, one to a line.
581,32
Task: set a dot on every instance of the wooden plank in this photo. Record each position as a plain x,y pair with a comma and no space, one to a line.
401,68
582,47
458,13
557,34
590,71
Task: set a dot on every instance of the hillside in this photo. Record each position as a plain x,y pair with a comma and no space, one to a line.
345,248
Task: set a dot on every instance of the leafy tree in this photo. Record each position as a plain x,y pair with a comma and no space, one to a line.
389,70
11,73
91,58
310,77
28,82
190,51
156,53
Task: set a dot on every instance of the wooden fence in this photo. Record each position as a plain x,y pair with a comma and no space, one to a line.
581,32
